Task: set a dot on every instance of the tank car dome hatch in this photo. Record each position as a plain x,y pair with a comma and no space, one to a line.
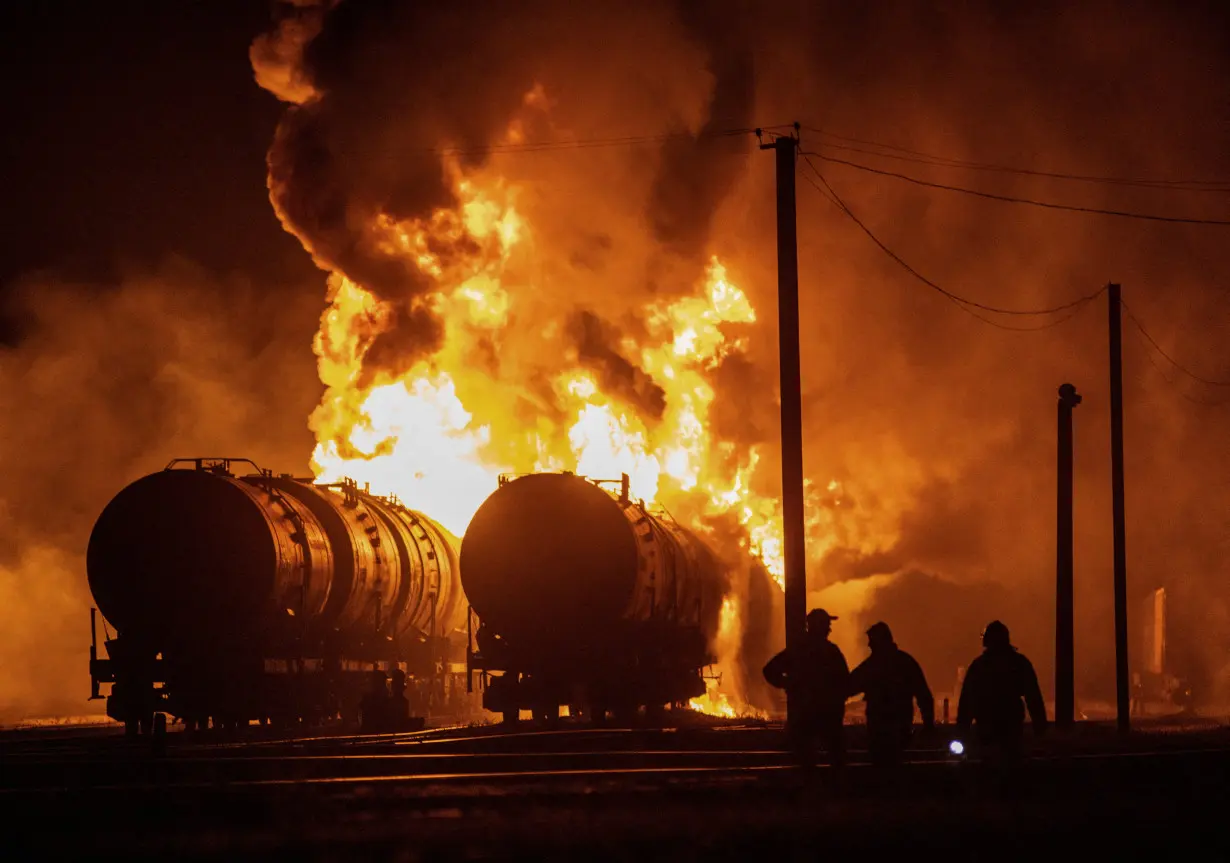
548,552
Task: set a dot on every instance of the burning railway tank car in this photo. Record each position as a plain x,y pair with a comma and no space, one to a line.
586,599
240,597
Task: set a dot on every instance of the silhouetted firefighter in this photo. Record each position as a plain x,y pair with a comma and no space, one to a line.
819,678
991,696
374,707
891,681
398,713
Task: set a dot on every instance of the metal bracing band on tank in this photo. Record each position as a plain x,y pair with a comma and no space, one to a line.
431,567
299,537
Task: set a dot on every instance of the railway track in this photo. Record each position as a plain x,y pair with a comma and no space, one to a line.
578,793
497,757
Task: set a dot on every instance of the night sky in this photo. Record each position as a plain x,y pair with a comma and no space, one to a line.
134,131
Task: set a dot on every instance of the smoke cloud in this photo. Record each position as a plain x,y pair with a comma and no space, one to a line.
108,383
616,374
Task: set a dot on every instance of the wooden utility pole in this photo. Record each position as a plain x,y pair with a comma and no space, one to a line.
795,546
1065,663
1122,684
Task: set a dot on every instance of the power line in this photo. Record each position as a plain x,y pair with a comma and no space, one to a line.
1174,385
908,155
1013,200
938,162
1152,341
589,143
962,303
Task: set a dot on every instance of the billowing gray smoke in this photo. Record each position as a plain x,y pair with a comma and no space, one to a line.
697,172
392,92
617,375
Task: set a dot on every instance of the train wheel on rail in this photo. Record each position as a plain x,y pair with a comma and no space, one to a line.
511,717
655,714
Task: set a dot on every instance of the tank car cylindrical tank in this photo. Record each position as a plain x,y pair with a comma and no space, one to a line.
261,597
553,554
203,555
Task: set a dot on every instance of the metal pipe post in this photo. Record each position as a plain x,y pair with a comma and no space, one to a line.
1065,685
1122,684
791,406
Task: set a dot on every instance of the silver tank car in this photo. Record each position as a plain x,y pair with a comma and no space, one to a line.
587,598
214,579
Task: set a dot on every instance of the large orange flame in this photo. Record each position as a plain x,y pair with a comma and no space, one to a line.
410,433
438,432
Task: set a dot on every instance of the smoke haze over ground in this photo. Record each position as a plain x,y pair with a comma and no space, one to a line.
110,383
938,429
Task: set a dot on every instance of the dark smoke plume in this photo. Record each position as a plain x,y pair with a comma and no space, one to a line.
697,172
387,96
595,340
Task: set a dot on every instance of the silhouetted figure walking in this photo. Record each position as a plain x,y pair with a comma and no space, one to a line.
818,680
373,709
891,681
399,705
991,697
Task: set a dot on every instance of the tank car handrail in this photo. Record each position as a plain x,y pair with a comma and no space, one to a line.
210,462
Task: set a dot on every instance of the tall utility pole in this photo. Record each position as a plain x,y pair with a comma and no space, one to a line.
792,407
1065,663
1123,700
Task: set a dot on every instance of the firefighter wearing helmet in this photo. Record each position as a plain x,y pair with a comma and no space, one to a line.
815,673
999,686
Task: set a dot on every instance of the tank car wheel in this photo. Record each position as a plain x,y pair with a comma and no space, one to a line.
131,728
510,717
655,714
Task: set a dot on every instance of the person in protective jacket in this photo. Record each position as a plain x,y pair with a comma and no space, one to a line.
890,681
998,687
817,680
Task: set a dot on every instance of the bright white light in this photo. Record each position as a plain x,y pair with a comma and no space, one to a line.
956,747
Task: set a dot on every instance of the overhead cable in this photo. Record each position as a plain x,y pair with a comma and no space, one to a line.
1152,217
963,303
1152,341
920,157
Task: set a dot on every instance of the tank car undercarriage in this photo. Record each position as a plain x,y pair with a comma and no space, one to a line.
233,688
647,667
